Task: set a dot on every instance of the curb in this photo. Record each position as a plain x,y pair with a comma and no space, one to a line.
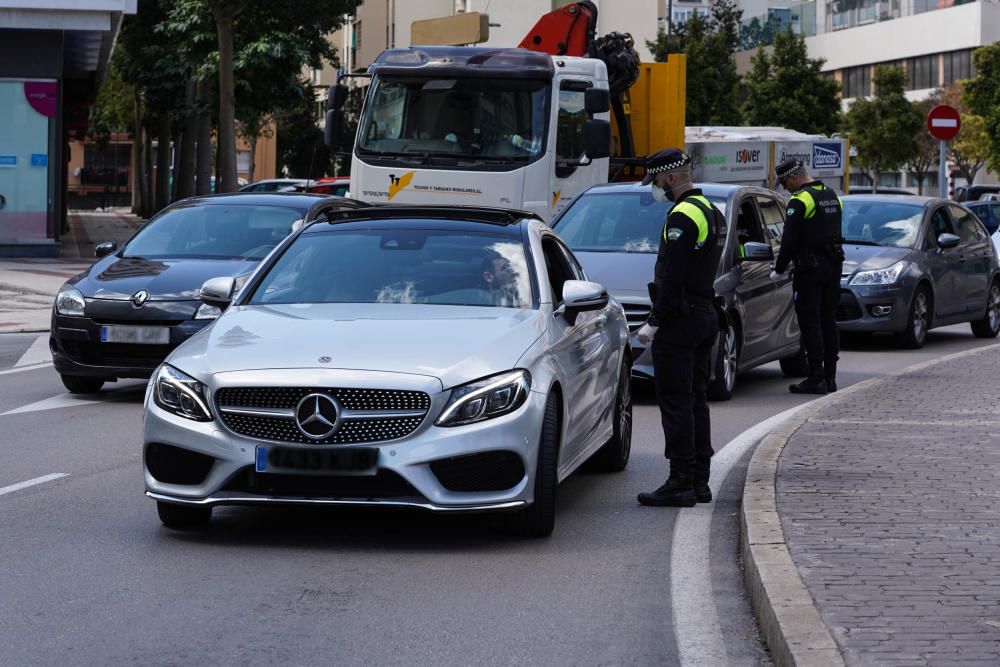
791,624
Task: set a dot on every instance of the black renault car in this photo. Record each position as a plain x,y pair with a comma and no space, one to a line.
122,316
615,229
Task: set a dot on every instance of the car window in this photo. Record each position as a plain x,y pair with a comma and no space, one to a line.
413,266
216,231
574,265
881,223
772,211
617,222
557,266
748,226
967,225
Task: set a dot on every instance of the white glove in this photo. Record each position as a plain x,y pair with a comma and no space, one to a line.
774,275
645,333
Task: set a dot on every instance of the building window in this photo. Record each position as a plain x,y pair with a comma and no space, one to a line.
922,72
957,66
857,81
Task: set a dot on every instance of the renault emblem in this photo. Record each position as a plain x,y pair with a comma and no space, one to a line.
139,298
317,416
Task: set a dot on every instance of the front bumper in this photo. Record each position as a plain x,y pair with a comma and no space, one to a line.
75,342
874,309
403,475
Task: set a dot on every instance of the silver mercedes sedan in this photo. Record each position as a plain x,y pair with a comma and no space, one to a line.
446,358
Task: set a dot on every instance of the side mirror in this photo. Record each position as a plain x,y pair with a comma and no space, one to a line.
336,97
596,100
105,248
218,292
334,129
947,241
581,295
597,138
753,251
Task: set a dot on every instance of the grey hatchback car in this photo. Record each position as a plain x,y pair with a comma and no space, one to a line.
615,229
915,263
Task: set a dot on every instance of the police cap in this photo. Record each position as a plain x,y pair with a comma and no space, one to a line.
666,160
787,168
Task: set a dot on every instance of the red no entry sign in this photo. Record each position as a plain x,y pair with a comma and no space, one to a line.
943,122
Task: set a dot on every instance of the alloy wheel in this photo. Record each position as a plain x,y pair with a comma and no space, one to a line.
993,308
625,412
729,359
920,316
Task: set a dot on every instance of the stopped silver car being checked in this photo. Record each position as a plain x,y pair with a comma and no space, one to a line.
452,359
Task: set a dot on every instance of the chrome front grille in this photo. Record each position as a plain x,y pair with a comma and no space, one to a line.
366,415
636,314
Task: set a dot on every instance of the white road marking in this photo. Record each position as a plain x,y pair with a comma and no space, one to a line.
22,369
944,122
4,490
696,619
66,400
38,353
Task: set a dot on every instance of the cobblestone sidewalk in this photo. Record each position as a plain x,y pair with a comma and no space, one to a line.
890,504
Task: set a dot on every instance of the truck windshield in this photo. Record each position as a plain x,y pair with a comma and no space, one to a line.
460,118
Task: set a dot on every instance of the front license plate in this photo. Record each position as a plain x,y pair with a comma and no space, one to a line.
351,460
137,335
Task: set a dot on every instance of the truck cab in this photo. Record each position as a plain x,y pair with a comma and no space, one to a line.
489,127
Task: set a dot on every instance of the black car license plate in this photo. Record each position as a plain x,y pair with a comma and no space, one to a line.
351,460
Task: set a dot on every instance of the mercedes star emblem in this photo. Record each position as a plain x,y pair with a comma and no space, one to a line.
317,416
139,298
325,360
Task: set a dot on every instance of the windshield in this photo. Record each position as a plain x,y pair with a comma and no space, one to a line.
983,211
617,222
231,231
882,224
471,118
400,266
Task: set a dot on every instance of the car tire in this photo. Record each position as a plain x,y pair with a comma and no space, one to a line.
538,518
183,517
727,360
78,384
919,319
613,455
989,326
796,365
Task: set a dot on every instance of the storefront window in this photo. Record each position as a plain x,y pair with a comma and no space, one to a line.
26,172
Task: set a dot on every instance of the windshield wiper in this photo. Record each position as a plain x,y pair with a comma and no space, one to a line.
861,242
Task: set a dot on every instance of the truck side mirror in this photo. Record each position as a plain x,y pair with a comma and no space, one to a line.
334,129
336,97
596,100
597,138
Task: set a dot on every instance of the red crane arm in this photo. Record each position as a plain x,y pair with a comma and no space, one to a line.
568,31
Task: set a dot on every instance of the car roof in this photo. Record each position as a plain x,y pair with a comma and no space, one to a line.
709,189
894,199
297,199
478,214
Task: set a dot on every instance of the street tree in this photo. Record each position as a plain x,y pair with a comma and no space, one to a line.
970,149
712,80
884,128
926,156
787,88
757,33
982,94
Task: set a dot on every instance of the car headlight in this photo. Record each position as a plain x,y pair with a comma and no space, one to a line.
878,277
486,398
69,301
180,394
207,312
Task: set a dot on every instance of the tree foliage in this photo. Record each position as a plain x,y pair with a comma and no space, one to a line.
712,80
788,89
884,127
982,97
757,33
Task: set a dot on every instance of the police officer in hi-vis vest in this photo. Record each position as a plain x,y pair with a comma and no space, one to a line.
812,240
683,327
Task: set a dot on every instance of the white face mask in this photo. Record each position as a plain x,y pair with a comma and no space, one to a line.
659,194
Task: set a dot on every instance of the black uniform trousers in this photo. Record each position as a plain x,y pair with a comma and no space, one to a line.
682,366
817,294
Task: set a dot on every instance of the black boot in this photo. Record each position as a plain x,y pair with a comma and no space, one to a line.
814,384
677,492
830,370
702,470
